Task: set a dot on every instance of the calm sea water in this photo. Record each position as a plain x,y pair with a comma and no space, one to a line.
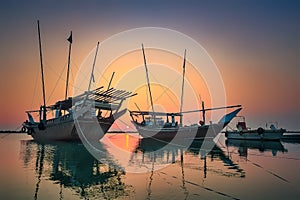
141,169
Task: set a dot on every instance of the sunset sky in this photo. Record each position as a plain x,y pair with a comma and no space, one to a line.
255,44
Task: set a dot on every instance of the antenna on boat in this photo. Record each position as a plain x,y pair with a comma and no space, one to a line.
42,71
92,73
111,78
70,39
149,88
182,88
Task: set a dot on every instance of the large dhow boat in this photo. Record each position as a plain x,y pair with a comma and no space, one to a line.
165,126
98,106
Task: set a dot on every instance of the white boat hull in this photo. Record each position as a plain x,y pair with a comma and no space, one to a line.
254,135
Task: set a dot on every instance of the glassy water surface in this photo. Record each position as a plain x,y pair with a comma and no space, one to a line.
233,169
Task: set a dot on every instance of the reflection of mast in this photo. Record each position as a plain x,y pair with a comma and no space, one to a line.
40,156
151,178
55,169
182,173
60,191
204,166
25,152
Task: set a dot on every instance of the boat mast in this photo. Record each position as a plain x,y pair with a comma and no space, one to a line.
203,112
92,73
182,88
42,71
111,78
68,71
149,88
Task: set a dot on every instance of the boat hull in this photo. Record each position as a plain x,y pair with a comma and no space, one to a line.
67,131
254,135
56,132
186,132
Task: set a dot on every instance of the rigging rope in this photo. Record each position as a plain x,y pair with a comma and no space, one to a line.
34,90
165,89
49,97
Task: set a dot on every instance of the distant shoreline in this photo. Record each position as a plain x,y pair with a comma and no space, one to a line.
10,131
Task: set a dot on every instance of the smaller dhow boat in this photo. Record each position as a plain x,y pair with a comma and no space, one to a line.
165,125
271,132
98,106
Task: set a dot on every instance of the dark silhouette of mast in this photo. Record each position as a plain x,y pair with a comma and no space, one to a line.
39,167
203,111
182,88
92,73
42,71
148,82
111,78
70,39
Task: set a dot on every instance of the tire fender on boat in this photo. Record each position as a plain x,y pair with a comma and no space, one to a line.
260,130
24,129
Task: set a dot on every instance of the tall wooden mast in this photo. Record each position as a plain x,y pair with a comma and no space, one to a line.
148,83
92,73
42,71
70,39
182,88
203,112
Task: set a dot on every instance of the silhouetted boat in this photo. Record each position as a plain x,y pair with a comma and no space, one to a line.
87,108
272,132
151,125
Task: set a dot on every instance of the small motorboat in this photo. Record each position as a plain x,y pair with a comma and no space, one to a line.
271,132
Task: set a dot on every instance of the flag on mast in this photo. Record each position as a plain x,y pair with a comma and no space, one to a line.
70,39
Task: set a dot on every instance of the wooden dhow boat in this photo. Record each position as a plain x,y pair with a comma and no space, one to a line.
150,124
100,104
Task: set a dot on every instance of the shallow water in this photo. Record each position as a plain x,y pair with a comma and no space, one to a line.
131,168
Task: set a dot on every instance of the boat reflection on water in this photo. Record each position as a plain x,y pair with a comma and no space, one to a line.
154,154
71,166
217,153
158,152
262,146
